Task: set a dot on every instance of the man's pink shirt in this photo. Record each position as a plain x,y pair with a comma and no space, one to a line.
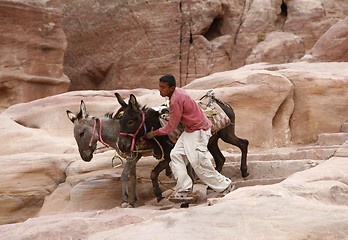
184,109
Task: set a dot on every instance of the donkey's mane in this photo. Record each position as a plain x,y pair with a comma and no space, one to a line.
109,114
150,111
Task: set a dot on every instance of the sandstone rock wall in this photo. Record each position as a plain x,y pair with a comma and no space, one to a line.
32,50
127,44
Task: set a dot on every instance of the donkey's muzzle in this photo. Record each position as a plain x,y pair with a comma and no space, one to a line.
124,144
87,155
87,158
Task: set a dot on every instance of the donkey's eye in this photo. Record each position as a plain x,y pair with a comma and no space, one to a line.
81,134
130,122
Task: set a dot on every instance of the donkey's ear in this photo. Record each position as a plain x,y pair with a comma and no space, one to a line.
71,116
83,111
133,102
121,101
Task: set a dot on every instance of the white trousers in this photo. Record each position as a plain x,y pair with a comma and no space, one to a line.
192,148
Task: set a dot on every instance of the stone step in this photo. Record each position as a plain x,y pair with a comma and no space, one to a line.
344,127
253,182
312,152
318,152
342,151
332,138
263,170
319,147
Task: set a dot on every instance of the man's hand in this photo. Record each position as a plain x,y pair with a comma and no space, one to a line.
150,135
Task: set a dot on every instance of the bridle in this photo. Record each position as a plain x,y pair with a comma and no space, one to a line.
134,135
99,132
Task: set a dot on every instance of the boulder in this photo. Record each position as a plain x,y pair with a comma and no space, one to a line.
26,179
277,47
258,98
308,20
320,93
331,46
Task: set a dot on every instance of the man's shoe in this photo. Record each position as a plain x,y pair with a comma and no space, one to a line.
183,197
229,189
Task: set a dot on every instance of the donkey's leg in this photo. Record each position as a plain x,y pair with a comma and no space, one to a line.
227,134
169,171
216,153
154,178
124,180
133,181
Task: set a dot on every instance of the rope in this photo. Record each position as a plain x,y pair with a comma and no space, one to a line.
137,151
162,158
100,138
119,158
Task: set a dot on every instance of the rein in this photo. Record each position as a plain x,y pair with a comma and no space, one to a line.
134,135
99,132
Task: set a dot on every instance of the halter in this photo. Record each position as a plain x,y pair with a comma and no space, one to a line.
134,135
99,132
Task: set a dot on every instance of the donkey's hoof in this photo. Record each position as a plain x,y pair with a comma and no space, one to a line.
124,205
160,199
130,205
245,176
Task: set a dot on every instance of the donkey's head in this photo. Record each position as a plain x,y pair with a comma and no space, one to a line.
131,123
83,132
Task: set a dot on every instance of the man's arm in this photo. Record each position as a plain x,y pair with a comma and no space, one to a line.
175,115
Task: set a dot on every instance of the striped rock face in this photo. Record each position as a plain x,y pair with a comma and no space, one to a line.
32,50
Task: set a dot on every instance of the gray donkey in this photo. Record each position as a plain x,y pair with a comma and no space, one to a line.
88,130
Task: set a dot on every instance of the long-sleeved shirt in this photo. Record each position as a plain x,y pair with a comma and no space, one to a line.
184,109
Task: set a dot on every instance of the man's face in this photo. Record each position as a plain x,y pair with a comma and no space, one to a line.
165,90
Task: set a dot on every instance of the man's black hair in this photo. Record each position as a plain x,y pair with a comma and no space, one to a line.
170,79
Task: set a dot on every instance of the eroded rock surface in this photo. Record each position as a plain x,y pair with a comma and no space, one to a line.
275,105
308,204
332,46
32,50
118,44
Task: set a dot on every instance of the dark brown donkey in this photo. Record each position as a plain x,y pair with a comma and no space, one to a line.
136,121
88,130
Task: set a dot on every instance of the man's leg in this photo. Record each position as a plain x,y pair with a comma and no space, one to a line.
195,145
178,165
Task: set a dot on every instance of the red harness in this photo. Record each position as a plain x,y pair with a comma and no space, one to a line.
99,132
134,135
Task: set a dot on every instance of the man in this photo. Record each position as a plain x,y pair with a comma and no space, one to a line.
191,146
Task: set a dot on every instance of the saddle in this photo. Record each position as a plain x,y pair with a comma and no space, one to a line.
212,110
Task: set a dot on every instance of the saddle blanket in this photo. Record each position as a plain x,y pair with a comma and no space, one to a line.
211,109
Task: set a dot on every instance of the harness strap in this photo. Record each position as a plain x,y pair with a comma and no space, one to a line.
100,138
134,135
93,132
100,133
